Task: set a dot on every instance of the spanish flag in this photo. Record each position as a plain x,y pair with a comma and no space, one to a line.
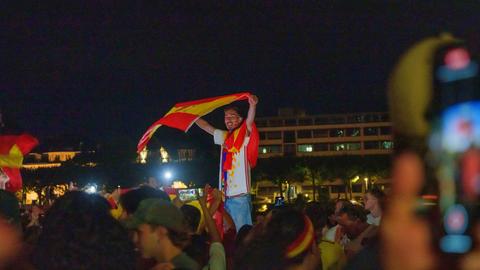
184,114
12,150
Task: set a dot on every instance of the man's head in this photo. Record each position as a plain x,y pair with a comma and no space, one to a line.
373,199
353,219
132,198
233,117
339,204
159,227
192,217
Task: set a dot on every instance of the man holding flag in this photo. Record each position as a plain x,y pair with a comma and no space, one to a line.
239,150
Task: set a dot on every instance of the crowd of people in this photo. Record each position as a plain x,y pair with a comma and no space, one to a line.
145,228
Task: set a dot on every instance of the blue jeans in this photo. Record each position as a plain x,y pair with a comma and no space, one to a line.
240,209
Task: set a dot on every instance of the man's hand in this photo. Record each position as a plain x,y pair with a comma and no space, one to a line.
203,199
252,100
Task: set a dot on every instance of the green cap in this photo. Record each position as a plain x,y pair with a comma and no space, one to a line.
156,212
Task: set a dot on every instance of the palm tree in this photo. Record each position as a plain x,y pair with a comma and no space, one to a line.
276,169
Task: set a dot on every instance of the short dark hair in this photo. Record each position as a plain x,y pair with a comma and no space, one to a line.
132,198
317,214
354,212
377,193
192,216
234,108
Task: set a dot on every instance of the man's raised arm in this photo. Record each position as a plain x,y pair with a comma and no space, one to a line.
252,100
205,126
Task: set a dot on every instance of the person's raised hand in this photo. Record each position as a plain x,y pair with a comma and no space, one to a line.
203,198
252,100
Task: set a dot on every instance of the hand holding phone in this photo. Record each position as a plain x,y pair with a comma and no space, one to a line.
189,194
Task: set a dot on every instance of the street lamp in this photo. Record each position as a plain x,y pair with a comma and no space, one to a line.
167,175
353,180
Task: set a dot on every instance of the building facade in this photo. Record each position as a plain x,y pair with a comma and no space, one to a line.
293,133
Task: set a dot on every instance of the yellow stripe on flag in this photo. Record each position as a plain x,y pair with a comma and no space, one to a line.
203,108
14,159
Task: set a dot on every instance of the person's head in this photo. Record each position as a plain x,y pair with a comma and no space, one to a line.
159,228
130,200
353,219
374,199
153,182
79,233
233,117
317,214
192,217
242,235
288,240
339,204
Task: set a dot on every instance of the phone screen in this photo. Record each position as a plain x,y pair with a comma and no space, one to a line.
454,147
189,194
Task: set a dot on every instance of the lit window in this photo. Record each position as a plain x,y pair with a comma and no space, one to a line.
353,146
339,147
305,148
387,145
353,132
270,149
337,133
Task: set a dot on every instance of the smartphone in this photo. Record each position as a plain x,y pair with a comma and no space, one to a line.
189,194
453,147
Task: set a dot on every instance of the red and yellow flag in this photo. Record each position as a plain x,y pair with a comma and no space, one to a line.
184,114
12,150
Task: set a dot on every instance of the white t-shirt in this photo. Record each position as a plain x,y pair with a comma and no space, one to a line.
373,220
238,178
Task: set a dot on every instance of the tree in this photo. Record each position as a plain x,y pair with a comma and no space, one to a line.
275,169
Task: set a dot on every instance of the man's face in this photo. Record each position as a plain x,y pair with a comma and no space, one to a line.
232,119
347,224
146,240
370,201
338,206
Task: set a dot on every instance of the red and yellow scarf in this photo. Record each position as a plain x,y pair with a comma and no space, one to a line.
234,142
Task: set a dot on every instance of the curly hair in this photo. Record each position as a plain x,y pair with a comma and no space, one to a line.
267,250
79,233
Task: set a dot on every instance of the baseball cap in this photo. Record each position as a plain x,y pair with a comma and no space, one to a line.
156,212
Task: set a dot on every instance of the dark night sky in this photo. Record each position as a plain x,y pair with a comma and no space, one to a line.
103,69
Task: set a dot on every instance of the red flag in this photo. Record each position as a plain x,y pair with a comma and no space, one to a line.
184,114
12,150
